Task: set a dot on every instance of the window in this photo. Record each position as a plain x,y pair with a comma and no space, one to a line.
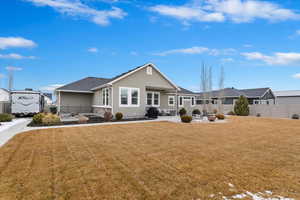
134,96
193,101
180,101
171,101
149,99
149,70
105,96
129,97
153,99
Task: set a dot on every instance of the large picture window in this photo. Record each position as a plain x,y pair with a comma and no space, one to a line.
153,99
129,97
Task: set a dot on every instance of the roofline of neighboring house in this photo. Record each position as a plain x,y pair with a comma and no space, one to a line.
139,68
75,91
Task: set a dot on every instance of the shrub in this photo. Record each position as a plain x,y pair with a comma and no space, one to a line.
215,111
204,112
230,113
295,116
119,116
220,116
196,112
53,109
108,116
186,118
241,106
211,118
50,119
5,117
258,115
38,118
182,111
152,112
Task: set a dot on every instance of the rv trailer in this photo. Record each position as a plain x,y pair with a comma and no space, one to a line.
26,102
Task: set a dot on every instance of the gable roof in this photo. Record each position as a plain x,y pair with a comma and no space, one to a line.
232,92
185,91
87,85
83,85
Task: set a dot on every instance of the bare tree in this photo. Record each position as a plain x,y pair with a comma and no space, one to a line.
206,86
221,91
11,70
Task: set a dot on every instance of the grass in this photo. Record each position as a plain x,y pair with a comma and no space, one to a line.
157,160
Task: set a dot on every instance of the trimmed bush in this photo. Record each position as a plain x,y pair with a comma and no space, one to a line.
152,112
230,113
220,116
295,116
258,115
182,111
50,119
6,117
108,116
186,118
119,116
211,118
53,109
204,112
241,106
38,118
196,112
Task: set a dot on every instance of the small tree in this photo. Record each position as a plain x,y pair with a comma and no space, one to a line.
241,106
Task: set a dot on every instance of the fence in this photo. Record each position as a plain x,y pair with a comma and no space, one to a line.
275,110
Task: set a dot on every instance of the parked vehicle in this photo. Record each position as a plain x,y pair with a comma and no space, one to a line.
26,102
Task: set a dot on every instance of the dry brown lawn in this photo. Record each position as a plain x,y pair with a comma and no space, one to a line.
157,160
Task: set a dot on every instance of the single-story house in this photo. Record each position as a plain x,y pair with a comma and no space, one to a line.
230,95
287,97
4,100
133,92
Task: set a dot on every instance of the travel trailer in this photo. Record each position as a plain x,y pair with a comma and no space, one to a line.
26,102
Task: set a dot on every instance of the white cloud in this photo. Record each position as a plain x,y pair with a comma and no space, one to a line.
238,11
278,58
14,42
298,32
93,50
51,87
15,56
79,9
297,76
12,68
188,13
226,60
197,50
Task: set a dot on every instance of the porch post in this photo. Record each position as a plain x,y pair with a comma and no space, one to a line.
176,99
58,102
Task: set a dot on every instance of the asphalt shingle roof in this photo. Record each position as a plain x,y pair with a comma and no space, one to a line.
85,84
232,92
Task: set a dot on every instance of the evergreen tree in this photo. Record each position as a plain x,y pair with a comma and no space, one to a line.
241,106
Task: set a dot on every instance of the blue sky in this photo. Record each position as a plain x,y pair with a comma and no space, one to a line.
52,42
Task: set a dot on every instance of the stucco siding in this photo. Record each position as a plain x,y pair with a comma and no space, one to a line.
140,80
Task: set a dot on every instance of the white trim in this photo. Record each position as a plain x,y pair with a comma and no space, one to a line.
112,100
139,68
75,91
105,94
129,100
173,97
101,106
152,99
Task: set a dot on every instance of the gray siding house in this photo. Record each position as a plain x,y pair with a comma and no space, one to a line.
287,97
131,93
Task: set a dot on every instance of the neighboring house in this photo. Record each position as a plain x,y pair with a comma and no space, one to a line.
4,101
287,97
131,93
230,95
48,99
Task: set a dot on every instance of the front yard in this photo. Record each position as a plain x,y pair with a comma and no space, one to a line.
246,158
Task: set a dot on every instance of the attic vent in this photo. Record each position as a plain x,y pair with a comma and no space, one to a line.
149,70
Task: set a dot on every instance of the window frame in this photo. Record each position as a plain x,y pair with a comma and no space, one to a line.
129,97
152,99
105,97
171,97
